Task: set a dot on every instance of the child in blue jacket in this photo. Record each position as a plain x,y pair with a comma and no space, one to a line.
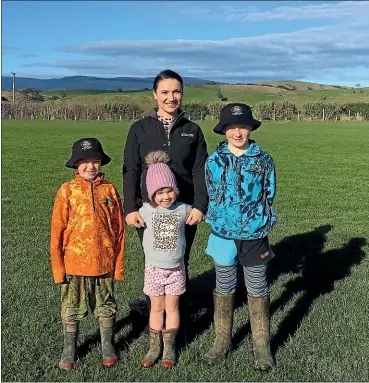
241,183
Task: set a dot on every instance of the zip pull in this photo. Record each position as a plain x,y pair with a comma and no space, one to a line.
93,196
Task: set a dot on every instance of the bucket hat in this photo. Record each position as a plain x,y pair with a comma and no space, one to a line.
236,113
87,148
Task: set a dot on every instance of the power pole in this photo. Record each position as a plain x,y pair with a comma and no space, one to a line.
13,73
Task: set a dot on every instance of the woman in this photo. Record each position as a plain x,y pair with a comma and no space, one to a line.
167,129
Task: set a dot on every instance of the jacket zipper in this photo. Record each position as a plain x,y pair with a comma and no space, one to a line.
168,135
169,142
171,129
92,196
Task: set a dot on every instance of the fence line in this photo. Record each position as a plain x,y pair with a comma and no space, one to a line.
195,112
120,118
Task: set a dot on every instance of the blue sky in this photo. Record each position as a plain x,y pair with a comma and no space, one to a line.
321,41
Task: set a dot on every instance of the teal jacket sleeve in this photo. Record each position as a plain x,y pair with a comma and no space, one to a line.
270,181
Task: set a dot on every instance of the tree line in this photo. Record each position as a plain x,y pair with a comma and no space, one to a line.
117,111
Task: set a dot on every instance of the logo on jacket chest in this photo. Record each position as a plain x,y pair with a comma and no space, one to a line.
256,168
187,135
108,201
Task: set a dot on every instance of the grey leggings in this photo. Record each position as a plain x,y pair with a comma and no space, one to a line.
255,280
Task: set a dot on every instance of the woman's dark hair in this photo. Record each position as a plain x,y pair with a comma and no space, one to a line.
163,75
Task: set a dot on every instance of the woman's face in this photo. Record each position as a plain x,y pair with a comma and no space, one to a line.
168,95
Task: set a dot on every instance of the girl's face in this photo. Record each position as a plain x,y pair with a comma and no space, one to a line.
238,136
165,197
168,95
89,168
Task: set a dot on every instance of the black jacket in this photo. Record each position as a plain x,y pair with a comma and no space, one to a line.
187,150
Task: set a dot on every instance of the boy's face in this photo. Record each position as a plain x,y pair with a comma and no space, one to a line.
238,135
89,168
165,197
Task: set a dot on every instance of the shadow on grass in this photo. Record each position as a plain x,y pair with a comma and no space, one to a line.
201,304
137,322
86,347
300,254
95,339
317,271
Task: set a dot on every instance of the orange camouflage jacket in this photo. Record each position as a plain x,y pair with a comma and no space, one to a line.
87,230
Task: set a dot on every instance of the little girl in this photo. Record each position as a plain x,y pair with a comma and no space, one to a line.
164,246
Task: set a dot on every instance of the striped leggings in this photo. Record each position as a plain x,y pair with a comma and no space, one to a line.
255,280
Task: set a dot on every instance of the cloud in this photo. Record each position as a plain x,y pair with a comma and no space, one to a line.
313,52
305,53
74,64
9,49
344,11
27,55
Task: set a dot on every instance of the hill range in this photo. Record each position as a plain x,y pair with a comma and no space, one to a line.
87,82
92,90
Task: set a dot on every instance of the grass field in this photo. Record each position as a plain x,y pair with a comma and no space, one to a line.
71,93
319,279
234,93
252,94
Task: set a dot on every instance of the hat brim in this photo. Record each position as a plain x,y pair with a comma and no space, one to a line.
219,128
105,159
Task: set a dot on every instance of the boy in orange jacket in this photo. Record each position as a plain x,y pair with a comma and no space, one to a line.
87,248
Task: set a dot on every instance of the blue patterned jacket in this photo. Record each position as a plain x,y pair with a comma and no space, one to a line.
241,193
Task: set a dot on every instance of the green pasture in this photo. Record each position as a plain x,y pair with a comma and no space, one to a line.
318,281
234,93
71,93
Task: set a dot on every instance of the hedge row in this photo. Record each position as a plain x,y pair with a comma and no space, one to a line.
284,110
266,110
71,111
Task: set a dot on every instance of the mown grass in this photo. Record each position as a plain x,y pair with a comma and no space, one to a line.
319,279
71,93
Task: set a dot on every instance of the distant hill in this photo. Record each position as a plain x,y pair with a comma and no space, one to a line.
87,82
138,90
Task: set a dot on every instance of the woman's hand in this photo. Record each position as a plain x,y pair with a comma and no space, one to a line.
194,217
134,219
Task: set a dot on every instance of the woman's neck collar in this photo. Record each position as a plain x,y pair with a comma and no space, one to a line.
163,114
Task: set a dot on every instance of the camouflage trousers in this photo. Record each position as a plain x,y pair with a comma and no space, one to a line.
79,293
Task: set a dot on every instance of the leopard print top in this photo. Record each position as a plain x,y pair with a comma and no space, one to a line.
167,123
164,240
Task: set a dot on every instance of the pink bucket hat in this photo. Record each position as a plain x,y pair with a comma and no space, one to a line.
159,174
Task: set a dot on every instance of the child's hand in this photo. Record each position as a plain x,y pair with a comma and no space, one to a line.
194,217
134,219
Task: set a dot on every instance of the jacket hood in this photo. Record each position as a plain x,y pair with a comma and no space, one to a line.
253,151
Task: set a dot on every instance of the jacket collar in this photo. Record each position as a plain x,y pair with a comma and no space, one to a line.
252,151
180,114
81,181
